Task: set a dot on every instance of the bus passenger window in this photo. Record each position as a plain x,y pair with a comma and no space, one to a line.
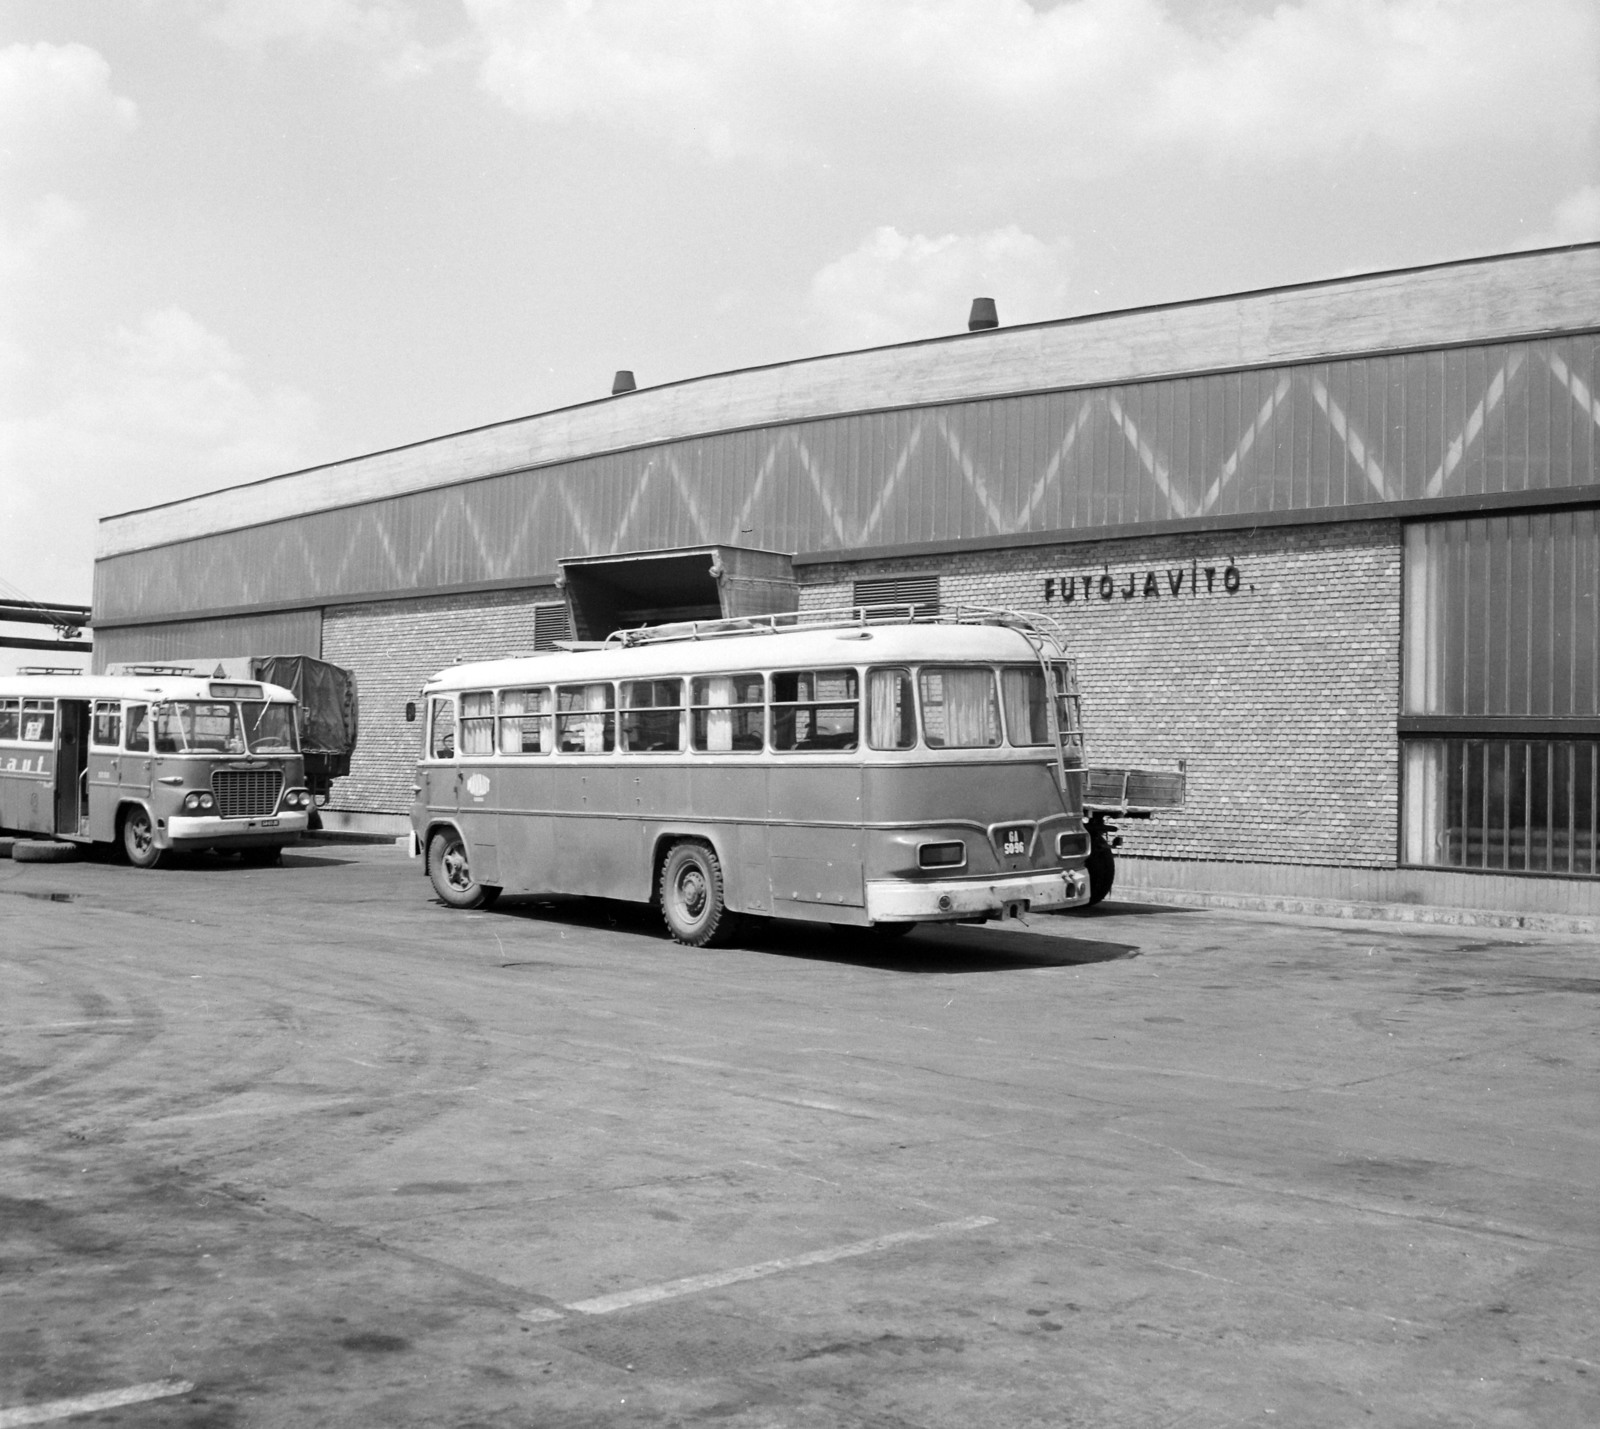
1022,692
728,713
586,721
891,714
138,729
477,722
442,728
652,716
107,724
39,721
959,709
524,721
8,718
814,711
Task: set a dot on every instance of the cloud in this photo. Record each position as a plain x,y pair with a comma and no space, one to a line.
388,31
161,409
1084,86
56,102
893,288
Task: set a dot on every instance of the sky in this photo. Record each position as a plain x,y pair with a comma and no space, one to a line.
242,237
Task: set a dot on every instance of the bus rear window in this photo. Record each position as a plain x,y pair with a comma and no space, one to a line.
959,709
525,721
728,713
815,711
1027,708
652,716
891,712
586,721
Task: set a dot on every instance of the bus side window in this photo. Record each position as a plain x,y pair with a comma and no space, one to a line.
652,716
525,721
814,711
729,712
586,721
442,728
8,718
477,722
138,729
39,721
891,714
107,725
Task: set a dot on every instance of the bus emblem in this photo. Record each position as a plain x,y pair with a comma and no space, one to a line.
478,785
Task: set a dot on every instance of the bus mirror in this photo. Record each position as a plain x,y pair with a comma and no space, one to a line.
411,711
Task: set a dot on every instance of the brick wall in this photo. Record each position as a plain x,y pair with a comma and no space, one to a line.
1281,694
393,646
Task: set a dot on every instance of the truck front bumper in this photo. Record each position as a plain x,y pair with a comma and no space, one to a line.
211,832
948,900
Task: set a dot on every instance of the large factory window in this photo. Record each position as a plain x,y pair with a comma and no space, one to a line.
1500,723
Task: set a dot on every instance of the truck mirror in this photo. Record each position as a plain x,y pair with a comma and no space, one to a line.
411,711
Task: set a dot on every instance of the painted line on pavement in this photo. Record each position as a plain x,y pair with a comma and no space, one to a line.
92,1403
715,1280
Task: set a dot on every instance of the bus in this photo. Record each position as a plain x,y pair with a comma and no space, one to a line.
154,765
834,766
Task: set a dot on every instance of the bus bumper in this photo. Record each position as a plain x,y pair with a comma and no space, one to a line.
897,901
196,833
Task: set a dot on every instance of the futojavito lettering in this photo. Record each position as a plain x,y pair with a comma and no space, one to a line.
1146,584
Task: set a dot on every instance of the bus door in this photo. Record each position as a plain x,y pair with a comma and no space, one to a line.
72,766
133,766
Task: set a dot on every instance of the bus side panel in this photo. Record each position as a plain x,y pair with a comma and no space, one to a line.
815,839
27,788
526,832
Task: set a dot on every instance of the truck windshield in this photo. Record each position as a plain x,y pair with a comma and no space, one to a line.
219,727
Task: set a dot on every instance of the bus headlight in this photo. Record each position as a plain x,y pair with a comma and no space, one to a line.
198,801
297,799
947,855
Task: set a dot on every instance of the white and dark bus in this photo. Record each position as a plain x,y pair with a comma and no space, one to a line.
830,767
152,764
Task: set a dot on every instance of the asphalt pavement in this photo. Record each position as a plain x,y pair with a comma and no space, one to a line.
300,1146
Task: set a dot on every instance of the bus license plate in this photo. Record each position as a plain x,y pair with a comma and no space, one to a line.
267,823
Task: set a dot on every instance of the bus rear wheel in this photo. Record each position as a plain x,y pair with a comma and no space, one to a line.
692,904
139,839
451,873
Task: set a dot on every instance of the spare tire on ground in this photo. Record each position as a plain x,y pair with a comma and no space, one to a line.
43,851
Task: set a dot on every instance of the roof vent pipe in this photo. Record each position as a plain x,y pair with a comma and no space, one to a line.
623,382
983,315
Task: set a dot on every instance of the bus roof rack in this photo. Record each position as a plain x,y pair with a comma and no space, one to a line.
836,617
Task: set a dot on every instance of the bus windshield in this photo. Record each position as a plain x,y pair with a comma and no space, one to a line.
216,727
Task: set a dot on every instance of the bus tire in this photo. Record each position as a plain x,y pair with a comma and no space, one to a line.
139,838
43,851
692,903
1101,868
451,873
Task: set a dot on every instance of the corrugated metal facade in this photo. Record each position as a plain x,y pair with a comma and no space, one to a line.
1506,417
291,632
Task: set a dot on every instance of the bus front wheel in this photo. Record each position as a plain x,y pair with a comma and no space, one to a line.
451,873
692,904
139,839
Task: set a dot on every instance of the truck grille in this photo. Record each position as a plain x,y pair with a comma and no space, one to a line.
246,793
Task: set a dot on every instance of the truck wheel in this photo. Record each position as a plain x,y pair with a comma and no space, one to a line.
451,873
1101,867
43,851
139,839
692,904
